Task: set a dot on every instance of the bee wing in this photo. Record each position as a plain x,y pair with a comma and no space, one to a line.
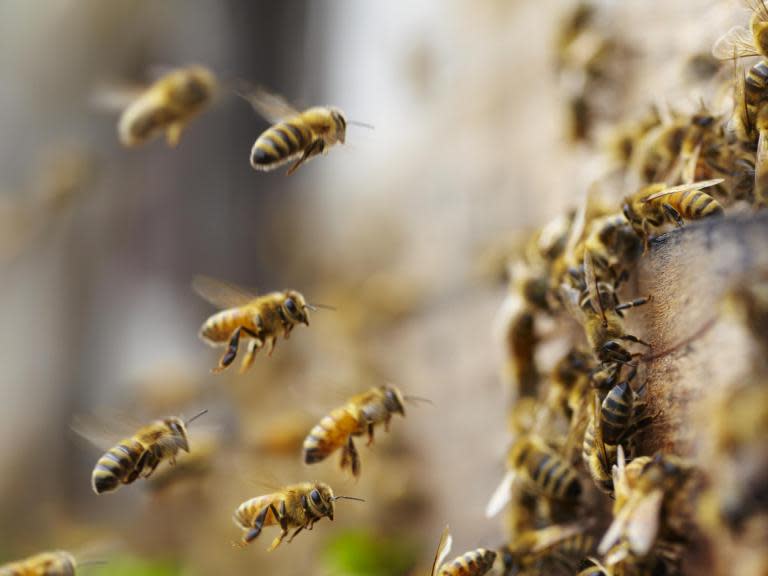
761,165
104,432
643,526
683,188
578,225
570,297
221,294
590,279
596,407
443,549
501,496
734,44
114,97
548,537
615,530
268,105
757,7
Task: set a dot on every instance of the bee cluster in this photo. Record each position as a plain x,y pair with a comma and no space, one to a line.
581,495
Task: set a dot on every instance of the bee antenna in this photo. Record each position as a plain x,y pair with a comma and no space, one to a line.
196,416
314,307
361,124
347,498
410,398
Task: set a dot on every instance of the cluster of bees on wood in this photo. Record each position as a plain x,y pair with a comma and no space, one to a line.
575,429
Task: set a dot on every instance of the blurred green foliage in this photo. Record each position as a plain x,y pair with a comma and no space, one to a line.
361,553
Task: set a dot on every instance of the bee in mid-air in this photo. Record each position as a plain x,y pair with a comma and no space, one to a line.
357,417
534,550
57,563
260,318
297,506
540,470
138,456
657,204
473,563
294,136
167,106
741,42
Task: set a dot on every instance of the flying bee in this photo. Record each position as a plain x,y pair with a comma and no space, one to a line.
649,506
259,318
294,136
536,550
357,417
57,563
540,470
168,105
656,204
473,563
741,42
138,456
296,506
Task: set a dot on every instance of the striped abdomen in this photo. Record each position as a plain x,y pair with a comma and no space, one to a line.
45,564
474,563
331,433
577,546
117,466
280,143
246,514
616,413
219,327
694,204
552,475
599,470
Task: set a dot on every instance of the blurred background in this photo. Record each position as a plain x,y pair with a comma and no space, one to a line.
399,229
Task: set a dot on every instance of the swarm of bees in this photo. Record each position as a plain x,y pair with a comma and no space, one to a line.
575,428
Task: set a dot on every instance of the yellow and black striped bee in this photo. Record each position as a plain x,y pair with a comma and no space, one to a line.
296,506
294,136
167,106
58,563
357,417
540,470
138,456
261,319
657,204
473,563
535,551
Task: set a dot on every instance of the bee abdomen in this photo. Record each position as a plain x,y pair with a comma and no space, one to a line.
615,412
695,204
219,327
115,467
474,563
330,434
278,144
556,478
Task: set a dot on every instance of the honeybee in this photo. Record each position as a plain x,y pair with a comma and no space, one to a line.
294,135
741,42
357,417
58,563
261,319
751,124
613,422
540,470
649,506
168,105
613,246
296,506
569,380
537,549
656,204
473,563
138,456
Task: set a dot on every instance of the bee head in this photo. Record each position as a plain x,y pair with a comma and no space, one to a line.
322,501
195,86
393,400
339,123
295,307
179,431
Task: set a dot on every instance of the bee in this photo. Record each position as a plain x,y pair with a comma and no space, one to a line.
741,42
539,549
625,139
569,380
613,422
614,247
540,470
139,455
751,123
473,563
650,499
56,563
294,135
296,506
259,318
656,204
168,105
357,417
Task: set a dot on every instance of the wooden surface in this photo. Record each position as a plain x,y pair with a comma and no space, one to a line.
700,347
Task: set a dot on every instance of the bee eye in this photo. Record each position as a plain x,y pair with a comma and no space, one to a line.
291,306
316,499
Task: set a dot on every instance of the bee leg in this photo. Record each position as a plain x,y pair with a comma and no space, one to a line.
299,529
313,149
674,214
635,339
234,343
370,435
258,524
350,457
283,519
254,345
173,134
271,343
633,303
